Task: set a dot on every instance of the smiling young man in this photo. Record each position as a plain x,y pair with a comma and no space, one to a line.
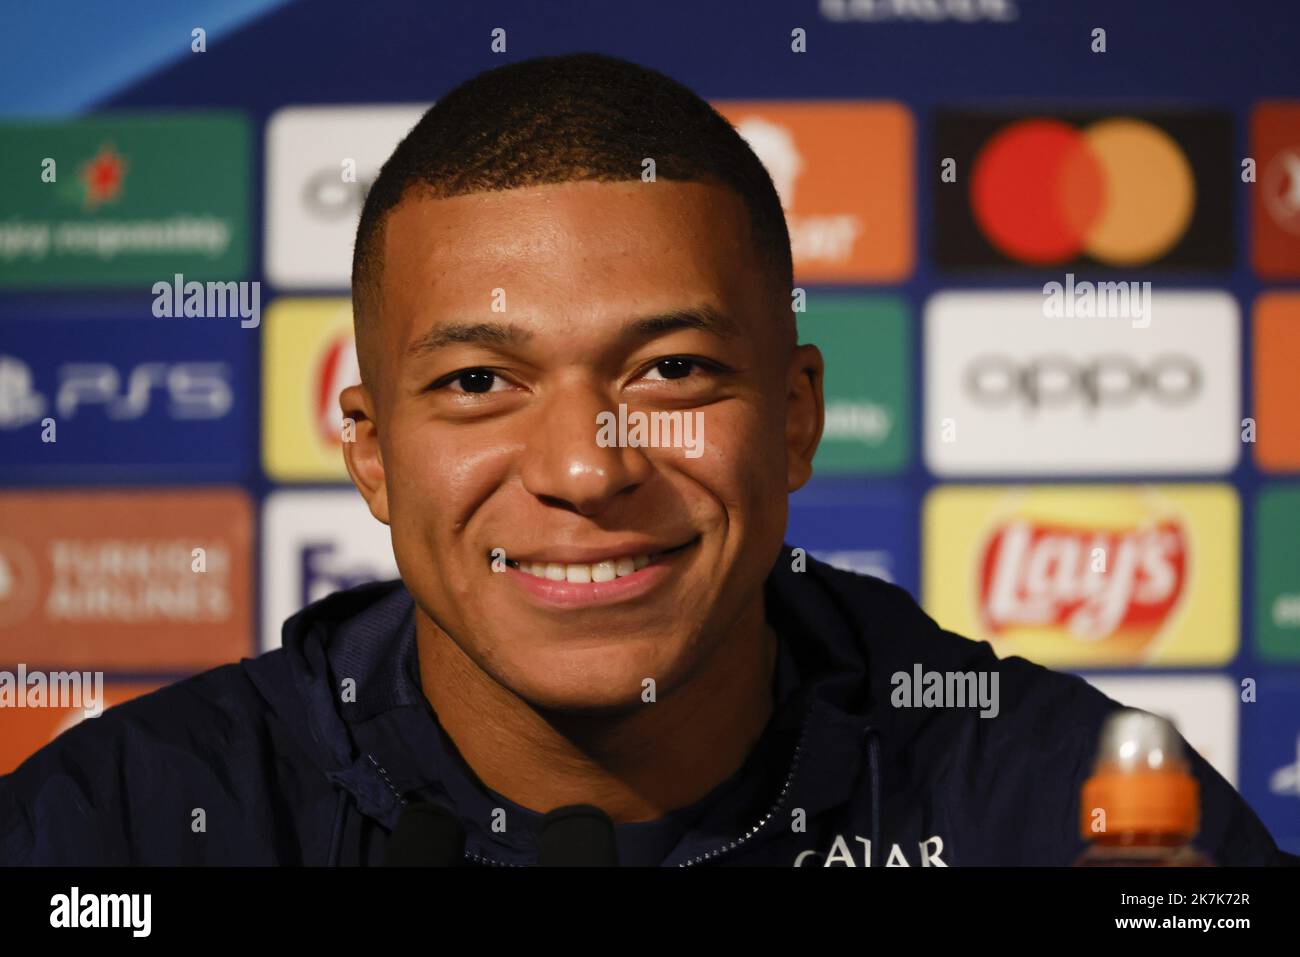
587,620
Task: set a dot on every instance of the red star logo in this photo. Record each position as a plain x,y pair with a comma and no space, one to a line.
103,176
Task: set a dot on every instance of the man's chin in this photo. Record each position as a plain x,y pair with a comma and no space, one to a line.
590,679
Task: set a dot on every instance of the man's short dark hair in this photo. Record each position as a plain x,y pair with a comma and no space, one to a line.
560,119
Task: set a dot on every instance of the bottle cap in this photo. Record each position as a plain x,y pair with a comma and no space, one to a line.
1141,780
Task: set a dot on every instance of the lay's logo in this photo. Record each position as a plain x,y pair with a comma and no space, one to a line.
335,370
1087,576
1096,585
308,358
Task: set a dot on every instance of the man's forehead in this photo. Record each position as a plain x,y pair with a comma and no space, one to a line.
534,222
618,262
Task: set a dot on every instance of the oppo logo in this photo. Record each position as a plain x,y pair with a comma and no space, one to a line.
1105,381
327,195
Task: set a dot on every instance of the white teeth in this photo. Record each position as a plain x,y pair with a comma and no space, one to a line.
580,574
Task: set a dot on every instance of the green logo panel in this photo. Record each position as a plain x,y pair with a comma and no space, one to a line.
866,344
124,199
1277,574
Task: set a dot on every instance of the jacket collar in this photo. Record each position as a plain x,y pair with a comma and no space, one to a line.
355,665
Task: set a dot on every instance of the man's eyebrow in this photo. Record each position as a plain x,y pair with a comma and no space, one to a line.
468,333
705,318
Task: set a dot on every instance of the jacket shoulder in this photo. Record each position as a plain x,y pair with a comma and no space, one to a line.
1028,753
188,737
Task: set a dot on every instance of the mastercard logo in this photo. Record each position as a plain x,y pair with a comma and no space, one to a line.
1084,189
1119,190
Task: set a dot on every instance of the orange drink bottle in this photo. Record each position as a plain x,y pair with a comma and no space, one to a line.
1141,806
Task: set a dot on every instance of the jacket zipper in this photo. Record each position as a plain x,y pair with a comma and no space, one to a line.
771,812
480,859
726,848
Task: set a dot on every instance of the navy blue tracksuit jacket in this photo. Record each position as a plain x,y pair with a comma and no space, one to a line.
286,771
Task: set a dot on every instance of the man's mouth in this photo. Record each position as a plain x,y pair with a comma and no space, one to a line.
605,569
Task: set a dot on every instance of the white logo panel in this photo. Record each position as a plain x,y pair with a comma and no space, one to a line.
314,544
320,162
1010,390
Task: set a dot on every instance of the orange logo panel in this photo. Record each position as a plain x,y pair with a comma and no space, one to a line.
1277,387
143,581
844,174
24,731
1275,194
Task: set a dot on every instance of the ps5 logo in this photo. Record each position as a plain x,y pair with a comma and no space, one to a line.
19,402
192,390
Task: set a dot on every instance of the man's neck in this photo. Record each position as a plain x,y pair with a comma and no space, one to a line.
636,765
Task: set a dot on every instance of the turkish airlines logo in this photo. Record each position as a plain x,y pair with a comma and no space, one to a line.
1095,584
143,581
19,584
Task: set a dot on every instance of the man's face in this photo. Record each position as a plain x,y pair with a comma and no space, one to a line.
506,324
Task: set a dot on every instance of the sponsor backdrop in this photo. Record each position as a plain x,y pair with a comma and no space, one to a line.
1057,288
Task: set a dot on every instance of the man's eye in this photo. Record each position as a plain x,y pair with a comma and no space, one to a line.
674,367
473,381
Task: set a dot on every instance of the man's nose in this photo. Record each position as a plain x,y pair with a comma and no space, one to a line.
567,468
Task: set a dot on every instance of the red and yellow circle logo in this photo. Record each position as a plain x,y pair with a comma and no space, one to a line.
1119,190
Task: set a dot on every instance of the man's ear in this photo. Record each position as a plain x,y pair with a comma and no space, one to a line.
361,452
805,414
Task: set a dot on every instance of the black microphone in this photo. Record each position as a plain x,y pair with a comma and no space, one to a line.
579,835
426,836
